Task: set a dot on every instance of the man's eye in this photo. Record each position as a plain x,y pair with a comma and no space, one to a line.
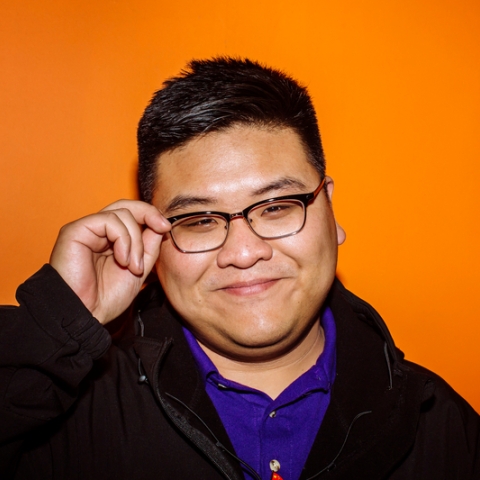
200,223
277,210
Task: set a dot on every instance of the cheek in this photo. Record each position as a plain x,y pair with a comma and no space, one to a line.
315,253
316,245
179,273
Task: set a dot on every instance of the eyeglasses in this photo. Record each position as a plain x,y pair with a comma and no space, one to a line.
273,218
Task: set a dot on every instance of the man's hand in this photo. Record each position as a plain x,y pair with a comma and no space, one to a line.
105,257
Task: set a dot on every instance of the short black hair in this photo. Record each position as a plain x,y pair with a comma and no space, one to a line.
214,95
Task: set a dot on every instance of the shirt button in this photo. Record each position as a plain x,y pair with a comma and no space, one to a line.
272,414
274,465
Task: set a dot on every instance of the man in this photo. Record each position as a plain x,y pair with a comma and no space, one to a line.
249,359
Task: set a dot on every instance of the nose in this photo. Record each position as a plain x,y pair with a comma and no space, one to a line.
242,248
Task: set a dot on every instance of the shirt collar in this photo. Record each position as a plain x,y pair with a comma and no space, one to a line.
321,375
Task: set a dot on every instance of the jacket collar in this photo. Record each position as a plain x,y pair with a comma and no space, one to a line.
375,405
177,385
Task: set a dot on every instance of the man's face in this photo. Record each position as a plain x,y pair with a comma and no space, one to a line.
250,299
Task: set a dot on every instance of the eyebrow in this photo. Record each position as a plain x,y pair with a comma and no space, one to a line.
184,201
187,201
280,184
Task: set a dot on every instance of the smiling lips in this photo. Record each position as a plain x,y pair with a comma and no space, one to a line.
251,287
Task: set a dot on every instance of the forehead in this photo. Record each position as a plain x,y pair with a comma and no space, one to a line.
236,163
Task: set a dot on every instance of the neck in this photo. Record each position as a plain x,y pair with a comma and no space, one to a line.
272,377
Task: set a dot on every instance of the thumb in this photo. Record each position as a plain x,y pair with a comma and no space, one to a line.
151,245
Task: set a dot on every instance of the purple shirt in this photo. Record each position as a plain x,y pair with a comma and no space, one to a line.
262,429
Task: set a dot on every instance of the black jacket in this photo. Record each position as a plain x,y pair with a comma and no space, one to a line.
72,407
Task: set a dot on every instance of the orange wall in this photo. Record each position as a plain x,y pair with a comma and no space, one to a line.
396,85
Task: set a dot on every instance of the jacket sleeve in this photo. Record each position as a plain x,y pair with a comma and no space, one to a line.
47,346
447,443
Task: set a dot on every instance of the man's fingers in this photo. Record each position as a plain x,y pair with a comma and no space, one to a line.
101,233
131,214
143,213
125,234
118,231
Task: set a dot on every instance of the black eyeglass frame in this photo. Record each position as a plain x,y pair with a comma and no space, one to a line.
304,198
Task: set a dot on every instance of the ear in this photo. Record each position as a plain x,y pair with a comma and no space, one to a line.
341,235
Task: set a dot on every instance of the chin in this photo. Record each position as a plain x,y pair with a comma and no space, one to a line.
260,346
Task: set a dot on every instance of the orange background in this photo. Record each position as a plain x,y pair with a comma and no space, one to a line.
396,86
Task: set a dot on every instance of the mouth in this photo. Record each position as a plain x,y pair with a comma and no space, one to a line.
252,287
